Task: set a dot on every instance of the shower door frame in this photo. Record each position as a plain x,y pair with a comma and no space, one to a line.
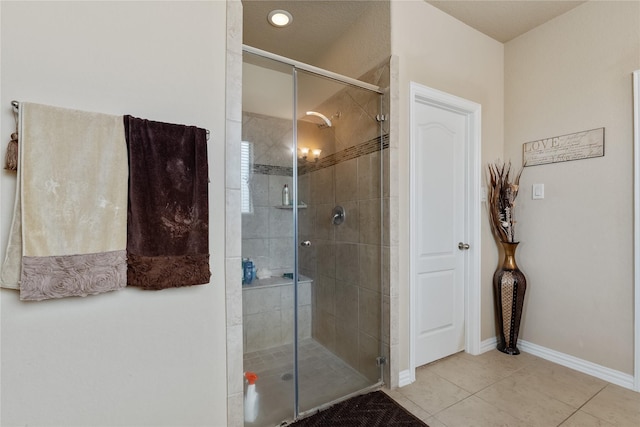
311,69
296,65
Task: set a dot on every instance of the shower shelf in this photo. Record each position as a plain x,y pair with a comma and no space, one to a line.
300,206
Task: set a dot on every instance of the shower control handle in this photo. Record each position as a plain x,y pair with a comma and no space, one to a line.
339,215
306,243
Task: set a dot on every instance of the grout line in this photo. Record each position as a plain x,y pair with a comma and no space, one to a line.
504,378
582,406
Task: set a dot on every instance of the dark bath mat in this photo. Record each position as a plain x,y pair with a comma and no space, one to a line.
374,409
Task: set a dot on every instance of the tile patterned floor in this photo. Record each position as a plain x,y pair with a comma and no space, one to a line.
323,378
494,389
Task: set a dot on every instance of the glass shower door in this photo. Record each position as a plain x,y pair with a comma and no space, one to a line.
340,210
268,239
312,215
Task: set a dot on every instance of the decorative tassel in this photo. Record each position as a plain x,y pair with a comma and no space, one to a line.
11,159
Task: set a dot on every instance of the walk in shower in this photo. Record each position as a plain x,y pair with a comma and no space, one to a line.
313,318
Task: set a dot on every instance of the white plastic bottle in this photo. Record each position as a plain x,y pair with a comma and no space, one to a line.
251,398
285,196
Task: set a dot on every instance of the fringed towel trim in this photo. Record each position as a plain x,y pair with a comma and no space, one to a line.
72,275
161,272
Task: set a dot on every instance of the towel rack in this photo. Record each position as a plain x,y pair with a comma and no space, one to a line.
16,105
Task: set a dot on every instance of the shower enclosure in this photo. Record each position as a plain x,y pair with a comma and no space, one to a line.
313,317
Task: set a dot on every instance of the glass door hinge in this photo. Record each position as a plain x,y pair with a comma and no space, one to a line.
381,118
381,360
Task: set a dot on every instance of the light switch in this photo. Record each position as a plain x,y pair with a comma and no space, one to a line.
538,191
483,194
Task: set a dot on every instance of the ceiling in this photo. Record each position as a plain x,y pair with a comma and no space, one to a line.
318,24
504,20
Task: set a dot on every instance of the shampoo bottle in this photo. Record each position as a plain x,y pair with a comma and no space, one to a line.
285,195
251,398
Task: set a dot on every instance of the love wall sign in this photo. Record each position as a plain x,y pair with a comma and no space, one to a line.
574,146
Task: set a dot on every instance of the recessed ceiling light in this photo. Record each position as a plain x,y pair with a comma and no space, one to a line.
280,18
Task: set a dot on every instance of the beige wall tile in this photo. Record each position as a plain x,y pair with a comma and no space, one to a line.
349,230
370,221
369,176
260,300
233,294
259,187
281,254
280,223
347,181
234,364
369,258
324,293
347,303
232,155
369,350
263,330
347,342
255,225
369,312
304,322
322,187
276,184
326,255
324,229
347,262
324,328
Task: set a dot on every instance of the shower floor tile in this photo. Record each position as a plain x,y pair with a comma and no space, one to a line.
324,377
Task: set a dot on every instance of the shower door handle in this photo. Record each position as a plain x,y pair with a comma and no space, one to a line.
306,243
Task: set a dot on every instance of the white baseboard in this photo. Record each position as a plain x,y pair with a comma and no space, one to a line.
488,345
405,378
580,365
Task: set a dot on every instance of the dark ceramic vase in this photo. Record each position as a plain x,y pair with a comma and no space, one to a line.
509,286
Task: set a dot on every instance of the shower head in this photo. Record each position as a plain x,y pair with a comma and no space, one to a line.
322,116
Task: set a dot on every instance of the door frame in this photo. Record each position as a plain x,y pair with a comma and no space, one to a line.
472,111
636,227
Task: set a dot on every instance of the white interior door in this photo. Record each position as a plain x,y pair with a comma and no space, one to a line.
438,227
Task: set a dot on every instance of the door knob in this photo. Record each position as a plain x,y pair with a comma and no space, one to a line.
463,246
306,243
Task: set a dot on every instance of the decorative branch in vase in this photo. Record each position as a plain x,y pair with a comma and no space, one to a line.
502,196
509,283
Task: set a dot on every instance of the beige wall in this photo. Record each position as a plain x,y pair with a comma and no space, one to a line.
365,45
569,75
128,357
436,50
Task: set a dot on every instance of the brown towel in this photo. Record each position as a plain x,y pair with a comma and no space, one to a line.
168,212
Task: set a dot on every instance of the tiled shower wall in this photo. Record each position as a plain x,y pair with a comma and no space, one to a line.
347,262
267,232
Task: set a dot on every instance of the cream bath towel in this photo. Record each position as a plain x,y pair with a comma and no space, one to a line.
12,265
73,175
